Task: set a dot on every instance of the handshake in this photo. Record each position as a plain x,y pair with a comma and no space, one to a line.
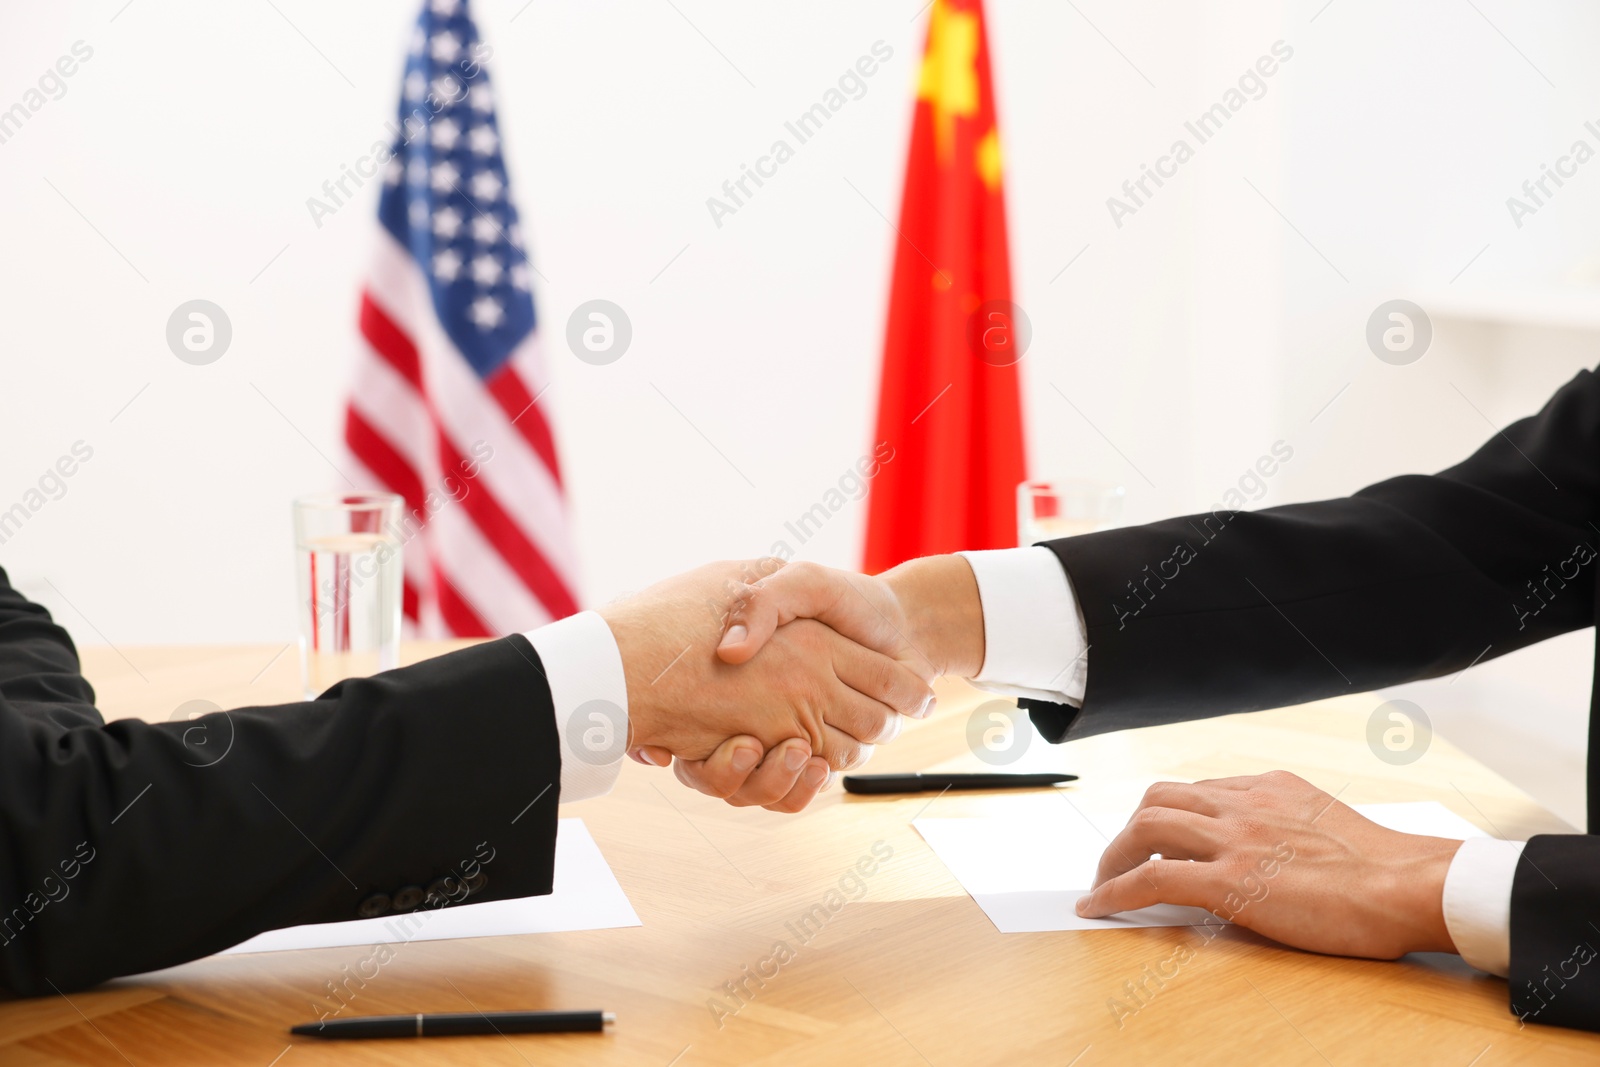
763,678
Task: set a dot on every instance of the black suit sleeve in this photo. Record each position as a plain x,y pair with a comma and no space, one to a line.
1414,577
1411,578
1555,932
39,674
127,846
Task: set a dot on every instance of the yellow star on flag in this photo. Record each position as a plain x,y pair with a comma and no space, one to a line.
949,77
989,162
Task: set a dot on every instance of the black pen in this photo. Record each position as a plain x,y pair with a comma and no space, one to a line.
460,1023
928,783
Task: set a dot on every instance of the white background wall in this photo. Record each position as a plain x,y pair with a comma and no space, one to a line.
178,163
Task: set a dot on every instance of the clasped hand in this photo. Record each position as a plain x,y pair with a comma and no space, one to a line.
762,679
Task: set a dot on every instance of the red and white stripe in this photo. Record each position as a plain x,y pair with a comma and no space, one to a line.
500,558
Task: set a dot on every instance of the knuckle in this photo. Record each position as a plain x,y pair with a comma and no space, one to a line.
806,691
1248,828
1158,871
849,757
1257,798
815,731
767,566
908,692
804,570
881,679
1236,868
1147,819
1157,795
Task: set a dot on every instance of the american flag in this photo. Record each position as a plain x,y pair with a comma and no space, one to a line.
444,409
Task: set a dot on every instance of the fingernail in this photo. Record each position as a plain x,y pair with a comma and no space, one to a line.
745,758
927,707
815,776
1083,908
647,759
794,759
736,633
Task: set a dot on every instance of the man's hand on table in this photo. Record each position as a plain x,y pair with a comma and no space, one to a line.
762,729
924,615
1277,855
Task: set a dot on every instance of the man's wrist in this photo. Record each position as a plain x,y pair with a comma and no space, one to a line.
1420,883
632,640
940,598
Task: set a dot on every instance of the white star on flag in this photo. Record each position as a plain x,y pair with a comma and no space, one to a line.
446,265
445,134
447,223
445,47
447,88
481,98
444,177
486,270
486,185
416,86
484,231
393,171
483,140
445,7
519,276
486,312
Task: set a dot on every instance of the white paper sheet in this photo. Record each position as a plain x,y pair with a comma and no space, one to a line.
1420,817
1027,874
586,897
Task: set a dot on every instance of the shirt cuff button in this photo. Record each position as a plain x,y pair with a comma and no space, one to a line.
376,905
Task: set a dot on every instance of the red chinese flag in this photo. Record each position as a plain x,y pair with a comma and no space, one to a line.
949,404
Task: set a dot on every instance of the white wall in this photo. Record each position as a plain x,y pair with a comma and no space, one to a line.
1410,127
1193,336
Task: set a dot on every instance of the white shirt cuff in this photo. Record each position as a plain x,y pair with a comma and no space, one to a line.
1035,642
1477,901
590,692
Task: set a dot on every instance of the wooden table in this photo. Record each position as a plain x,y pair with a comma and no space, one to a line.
912,972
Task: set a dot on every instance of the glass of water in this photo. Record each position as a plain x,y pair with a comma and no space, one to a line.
349,582
1048,510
